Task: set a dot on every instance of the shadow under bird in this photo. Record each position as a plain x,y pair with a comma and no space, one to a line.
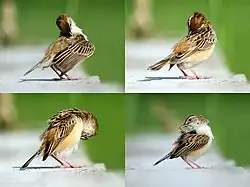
196,47
63,134
196,137
70,49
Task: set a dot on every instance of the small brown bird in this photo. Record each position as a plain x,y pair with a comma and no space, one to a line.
62,137
191,144
193,49
70,49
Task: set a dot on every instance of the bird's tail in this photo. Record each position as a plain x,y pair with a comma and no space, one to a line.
162,159
33,68
29,161
159,65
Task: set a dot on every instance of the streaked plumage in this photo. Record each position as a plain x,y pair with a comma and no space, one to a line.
63,134
192,144
191,123
70,48
78,50
196,47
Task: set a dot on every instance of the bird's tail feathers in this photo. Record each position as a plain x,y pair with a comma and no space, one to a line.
29,161
162,159
33,68
159,65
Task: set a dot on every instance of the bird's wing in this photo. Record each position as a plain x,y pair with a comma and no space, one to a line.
188,142
75,52
178,43
183,49
60,45
191,44
60,126
205,41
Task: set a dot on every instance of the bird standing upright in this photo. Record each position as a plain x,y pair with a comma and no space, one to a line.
63,134
196,47
191,144
70,49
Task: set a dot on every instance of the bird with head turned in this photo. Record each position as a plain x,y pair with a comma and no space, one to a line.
195,139
195,48
63,134
71,48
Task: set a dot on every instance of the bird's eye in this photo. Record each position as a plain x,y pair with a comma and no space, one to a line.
189,120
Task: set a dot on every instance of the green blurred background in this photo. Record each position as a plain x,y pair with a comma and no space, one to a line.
102,21
229,19
228,114
33,110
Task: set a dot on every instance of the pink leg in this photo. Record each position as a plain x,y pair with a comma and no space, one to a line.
194,164
64,164
71,78
186,76
71,166
190,163
198,76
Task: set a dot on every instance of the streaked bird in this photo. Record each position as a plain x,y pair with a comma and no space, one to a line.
63,134
71,48
196,47
192,144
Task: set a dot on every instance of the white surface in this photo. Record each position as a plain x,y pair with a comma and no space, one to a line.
14,62
144,150
140,55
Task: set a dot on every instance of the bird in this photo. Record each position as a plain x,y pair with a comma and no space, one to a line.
61,138
196,47
192,144
71,47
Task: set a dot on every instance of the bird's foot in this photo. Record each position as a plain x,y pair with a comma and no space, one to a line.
195,77
71,78
68,165
204,77
195,166
188,77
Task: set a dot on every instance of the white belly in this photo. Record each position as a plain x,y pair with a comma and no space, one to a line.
70,143
196,58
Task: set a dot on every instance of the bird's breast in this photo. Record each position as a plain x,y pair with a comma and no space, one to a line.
71,142
196,58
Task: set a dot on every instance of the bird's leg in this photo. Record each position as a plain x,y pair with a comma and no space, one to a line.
186,76
64,164
62,74
198,76
70,78
190,163
187,161
57,72
73,166
194,163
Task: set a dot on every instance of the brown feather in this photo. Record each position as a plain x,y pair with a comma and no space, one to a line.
188,142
